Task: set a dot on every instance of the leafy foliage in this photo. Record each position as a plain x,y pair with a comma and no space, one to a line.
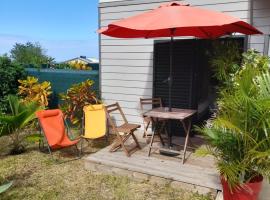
5,187
79,66
31,90
14,124
30,55
77,96
239,136
225,61
61,66
9,74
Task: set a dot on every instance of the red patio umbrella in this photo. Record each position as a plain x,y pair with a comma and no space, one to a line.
175,19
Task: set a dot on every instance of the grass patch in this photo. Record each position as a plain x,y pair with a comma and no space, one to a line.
37,176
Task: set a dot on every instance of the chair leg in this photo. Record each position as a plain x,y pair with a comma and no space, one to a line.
151,143
125,149
82,146
159,134
50,151
145,129
115,146
135,139
78,151
187,130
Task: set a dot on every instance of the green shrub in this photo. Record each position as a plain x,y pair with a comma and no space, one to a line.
13,125
10,73
77,96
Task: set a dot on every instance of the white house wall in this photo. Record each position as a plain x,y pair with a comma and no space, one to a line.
127,64
261,20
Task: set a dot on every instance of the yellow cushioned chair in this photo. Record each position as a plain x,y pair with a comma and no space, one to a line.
94,122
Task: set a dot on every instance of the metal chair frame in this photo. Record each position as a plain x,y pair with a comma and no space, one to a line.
50,150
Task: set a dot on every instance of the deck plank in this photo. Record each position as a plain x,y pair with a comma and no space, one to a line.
198,171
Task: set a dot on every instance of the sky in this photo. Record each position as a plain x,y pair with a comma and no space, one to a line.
64,28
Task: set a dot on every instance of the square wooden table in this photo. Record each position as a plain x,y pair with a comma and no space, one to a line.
184,116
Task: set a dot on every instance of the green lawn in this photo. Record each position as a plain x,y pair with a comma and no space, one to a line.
37,176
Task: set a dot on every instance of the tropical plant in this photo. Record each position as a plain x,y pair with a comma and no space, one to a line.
77,96
14,124
9,74
31,90
5,187
225,60
239,136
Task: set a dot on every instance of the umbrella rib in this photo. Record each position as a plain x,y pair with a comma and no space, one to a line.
148,33
242,27
205,32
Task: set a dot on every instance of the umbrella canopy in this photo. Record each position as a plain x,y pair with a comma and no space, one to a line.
175,19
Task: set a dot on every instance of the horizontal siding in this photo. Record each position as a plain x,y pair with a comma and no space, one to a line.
124,49
127,76
129,55
127,70
127,90
231,5
128,84
261,19
125,42
123,97
127,64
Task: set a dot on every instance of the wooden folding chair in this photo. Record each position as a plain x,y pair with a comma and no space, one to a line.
154,102
123,132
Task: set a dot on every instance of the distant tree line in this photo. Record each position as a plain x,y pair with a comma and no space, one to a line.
33,55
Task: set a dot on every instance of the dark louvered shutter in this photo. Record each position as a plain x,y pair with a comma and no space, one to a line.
184,73
191,73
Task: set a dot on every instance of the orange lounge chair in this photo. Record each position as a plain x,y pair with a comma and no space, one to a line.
52,125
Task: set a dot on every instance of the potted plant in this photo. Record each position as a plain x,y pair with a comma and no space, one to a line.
239,135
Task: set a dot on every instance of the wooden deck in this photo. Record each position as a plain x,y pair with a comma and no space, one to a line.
196,171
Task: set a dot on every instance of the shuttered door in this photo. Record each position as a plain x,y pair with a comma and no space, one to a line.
191,72
184,74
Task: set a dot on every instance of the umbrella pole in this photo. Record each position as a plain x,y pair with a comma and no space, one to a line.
170,79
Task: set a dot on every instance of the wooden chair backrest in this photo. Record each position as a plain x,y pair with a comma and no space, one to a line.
114,108
150,101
